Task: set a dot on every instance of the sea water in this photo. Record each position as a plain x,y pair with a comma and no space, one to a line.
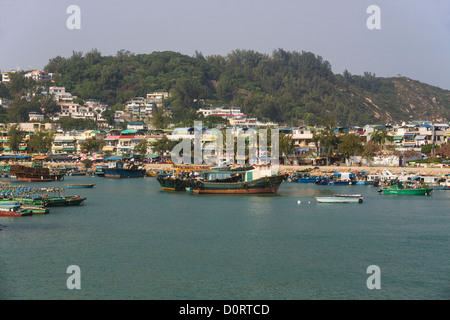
131,240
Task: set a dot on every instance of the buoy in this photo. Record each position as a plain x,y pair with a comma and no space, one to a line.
298,202
309,201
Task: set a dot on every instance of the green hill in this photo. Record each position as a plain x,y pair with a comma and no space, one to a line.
285,86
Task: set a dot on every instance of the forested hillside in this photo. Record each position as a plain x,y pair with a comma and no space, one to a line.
284,87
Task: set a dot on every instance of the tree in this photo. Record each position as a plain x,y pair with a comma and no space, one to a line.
444,150
87,163
41,142
371,150
350,145
158,118
163,145
212,120
380,137
68,124
141,148
48,104
92,144
108,115
429,148
286,145
325,138
15,137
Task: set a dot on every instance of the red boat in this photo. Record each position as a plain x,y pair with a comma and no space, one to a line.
14,213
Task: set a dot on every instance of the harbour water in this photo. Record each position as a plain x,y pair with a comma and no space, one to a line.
131,240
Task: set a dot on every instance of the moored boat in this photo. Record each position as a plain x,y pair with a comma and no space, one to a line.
58,201
171,183
178,178
36,173
80,185
347,195
15,211
119,170
400,189
340,199
259,179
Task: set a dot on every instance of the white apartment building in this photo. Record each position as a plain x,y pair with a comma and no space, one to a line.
38,75
157,98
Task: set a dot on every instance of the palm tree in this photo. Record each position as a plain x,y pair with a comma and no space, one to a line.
380,137
286,145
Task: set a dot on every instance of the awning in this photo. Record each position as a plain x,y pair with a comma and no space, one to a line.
41,157
421,137
112,138
108,149
398,137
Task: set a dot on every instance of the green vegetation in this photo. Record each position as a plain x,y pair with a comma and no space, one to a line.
283,87
41,142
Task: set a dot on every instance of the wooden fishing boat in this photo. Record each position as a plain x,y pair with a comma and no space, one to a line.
78,173
14,212
58,201
36,173
258,179
33,201
340,199
30,209
178,178
80,185
170,183
36,210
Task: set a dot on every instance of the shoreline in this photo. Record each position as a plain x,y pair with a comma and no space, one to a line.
314,170
325,170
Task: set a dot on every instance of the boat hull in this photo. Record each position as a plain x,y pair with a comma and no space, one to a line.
339,199
63,201
414,192
39,178
80,185
123,173
262,185
13,213
172,184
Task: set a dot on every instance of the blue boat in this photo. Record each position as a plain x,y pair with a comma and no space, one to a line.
118,170
306,178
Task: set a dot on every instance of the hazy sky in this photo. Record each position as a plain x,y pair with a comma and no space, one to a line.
414,39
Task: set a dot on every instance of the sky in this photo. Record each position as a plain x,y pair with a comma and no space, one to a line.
413,41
